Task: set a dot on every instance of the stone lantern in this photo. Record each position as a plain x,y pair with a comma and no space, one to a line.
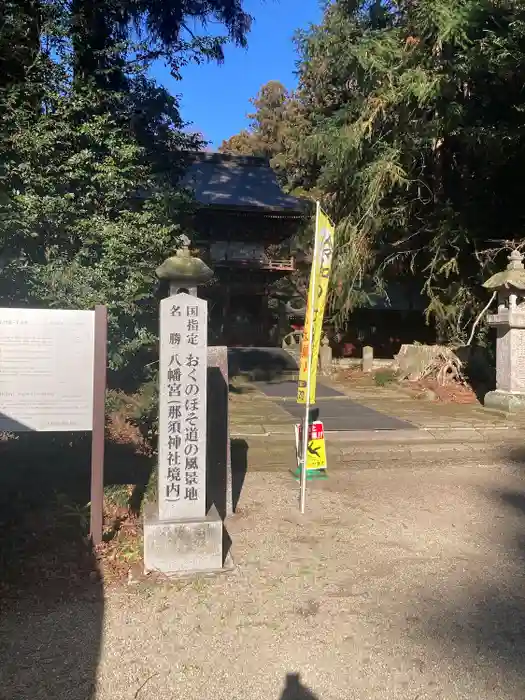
509,321
183,271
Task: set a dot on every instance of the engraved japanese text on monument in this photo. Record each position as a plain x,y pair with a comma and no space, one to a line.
182,407
517,359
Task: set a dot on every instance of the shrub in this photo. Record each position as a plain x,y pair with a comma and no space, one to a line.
385,377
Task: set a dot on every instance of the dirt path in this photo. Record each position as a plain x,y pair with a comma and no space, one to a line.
398,584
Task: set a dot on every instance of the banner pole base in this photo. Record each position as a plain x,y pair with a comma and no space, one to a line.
311,474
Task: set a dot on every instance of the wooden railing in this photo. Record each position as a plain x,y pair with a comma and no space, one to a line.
287,265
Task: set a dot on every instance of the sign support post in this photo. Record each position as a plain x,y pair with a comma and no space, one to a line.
99,423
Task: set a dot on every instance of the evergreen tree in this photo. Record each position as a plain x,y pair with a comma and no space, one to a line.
91,152
411,134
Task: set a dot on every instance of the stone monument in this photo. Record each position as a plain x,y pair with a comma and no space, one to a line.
367,362
509,322
181,535
325,356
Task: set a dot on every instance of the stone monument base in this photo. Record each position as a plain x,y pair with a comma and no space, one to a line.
504,401
184,547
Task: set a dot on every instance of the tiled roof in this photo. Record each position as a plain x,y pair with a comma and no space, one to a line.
238,182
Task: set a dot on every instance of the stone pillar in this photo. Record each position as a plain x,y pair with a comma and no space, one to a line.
219,486
325,356
509,322
181,535
367,363
175,288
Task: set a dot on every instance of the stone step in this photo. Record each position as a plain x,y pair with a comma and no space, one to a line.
270,454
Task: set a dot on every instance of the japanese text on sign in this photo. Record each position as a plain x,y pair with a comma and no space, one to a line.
46,369
182,446
317,296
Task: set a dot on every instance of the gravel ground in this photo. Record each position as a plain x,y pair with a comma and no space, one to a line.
398,584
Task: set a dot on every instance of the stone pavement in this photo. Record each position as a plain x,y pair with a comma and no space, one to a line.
338,411
263,429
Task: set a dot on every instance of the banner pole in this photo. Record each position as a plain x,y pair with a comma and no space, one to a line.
310,360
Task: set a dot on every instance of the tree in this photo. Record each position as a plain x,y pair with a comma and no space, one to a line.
90,214
264,134
102,31
277,125
414,142
91,152
244,143
270,105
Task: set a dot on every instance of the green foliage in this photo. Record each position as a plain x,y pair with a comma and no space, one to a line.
274,129
116,401
408,128
87,219
140,408
404,143
100,29
145,412
384,377
91,152
264,136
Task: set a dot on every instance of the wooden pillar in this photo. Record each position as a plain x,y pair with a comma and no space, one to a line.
265,318
226,306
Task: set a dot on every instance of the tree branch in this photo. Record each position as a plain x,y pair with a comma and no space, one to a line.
475,325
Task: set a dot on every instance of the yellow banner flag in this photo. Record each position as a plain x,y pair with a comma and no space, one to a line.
317,295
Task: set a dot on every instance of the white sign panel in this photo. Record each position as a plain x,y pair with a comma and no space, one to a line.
46,370
182,407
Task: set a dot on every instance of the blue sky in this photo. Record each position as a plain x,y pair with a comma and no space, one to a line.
216,97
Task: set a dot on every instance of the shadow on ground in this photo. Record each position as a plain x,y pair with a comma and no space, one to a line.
295,690
262,364
515,454
239,390
479,369
483,625
51,593
239,457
